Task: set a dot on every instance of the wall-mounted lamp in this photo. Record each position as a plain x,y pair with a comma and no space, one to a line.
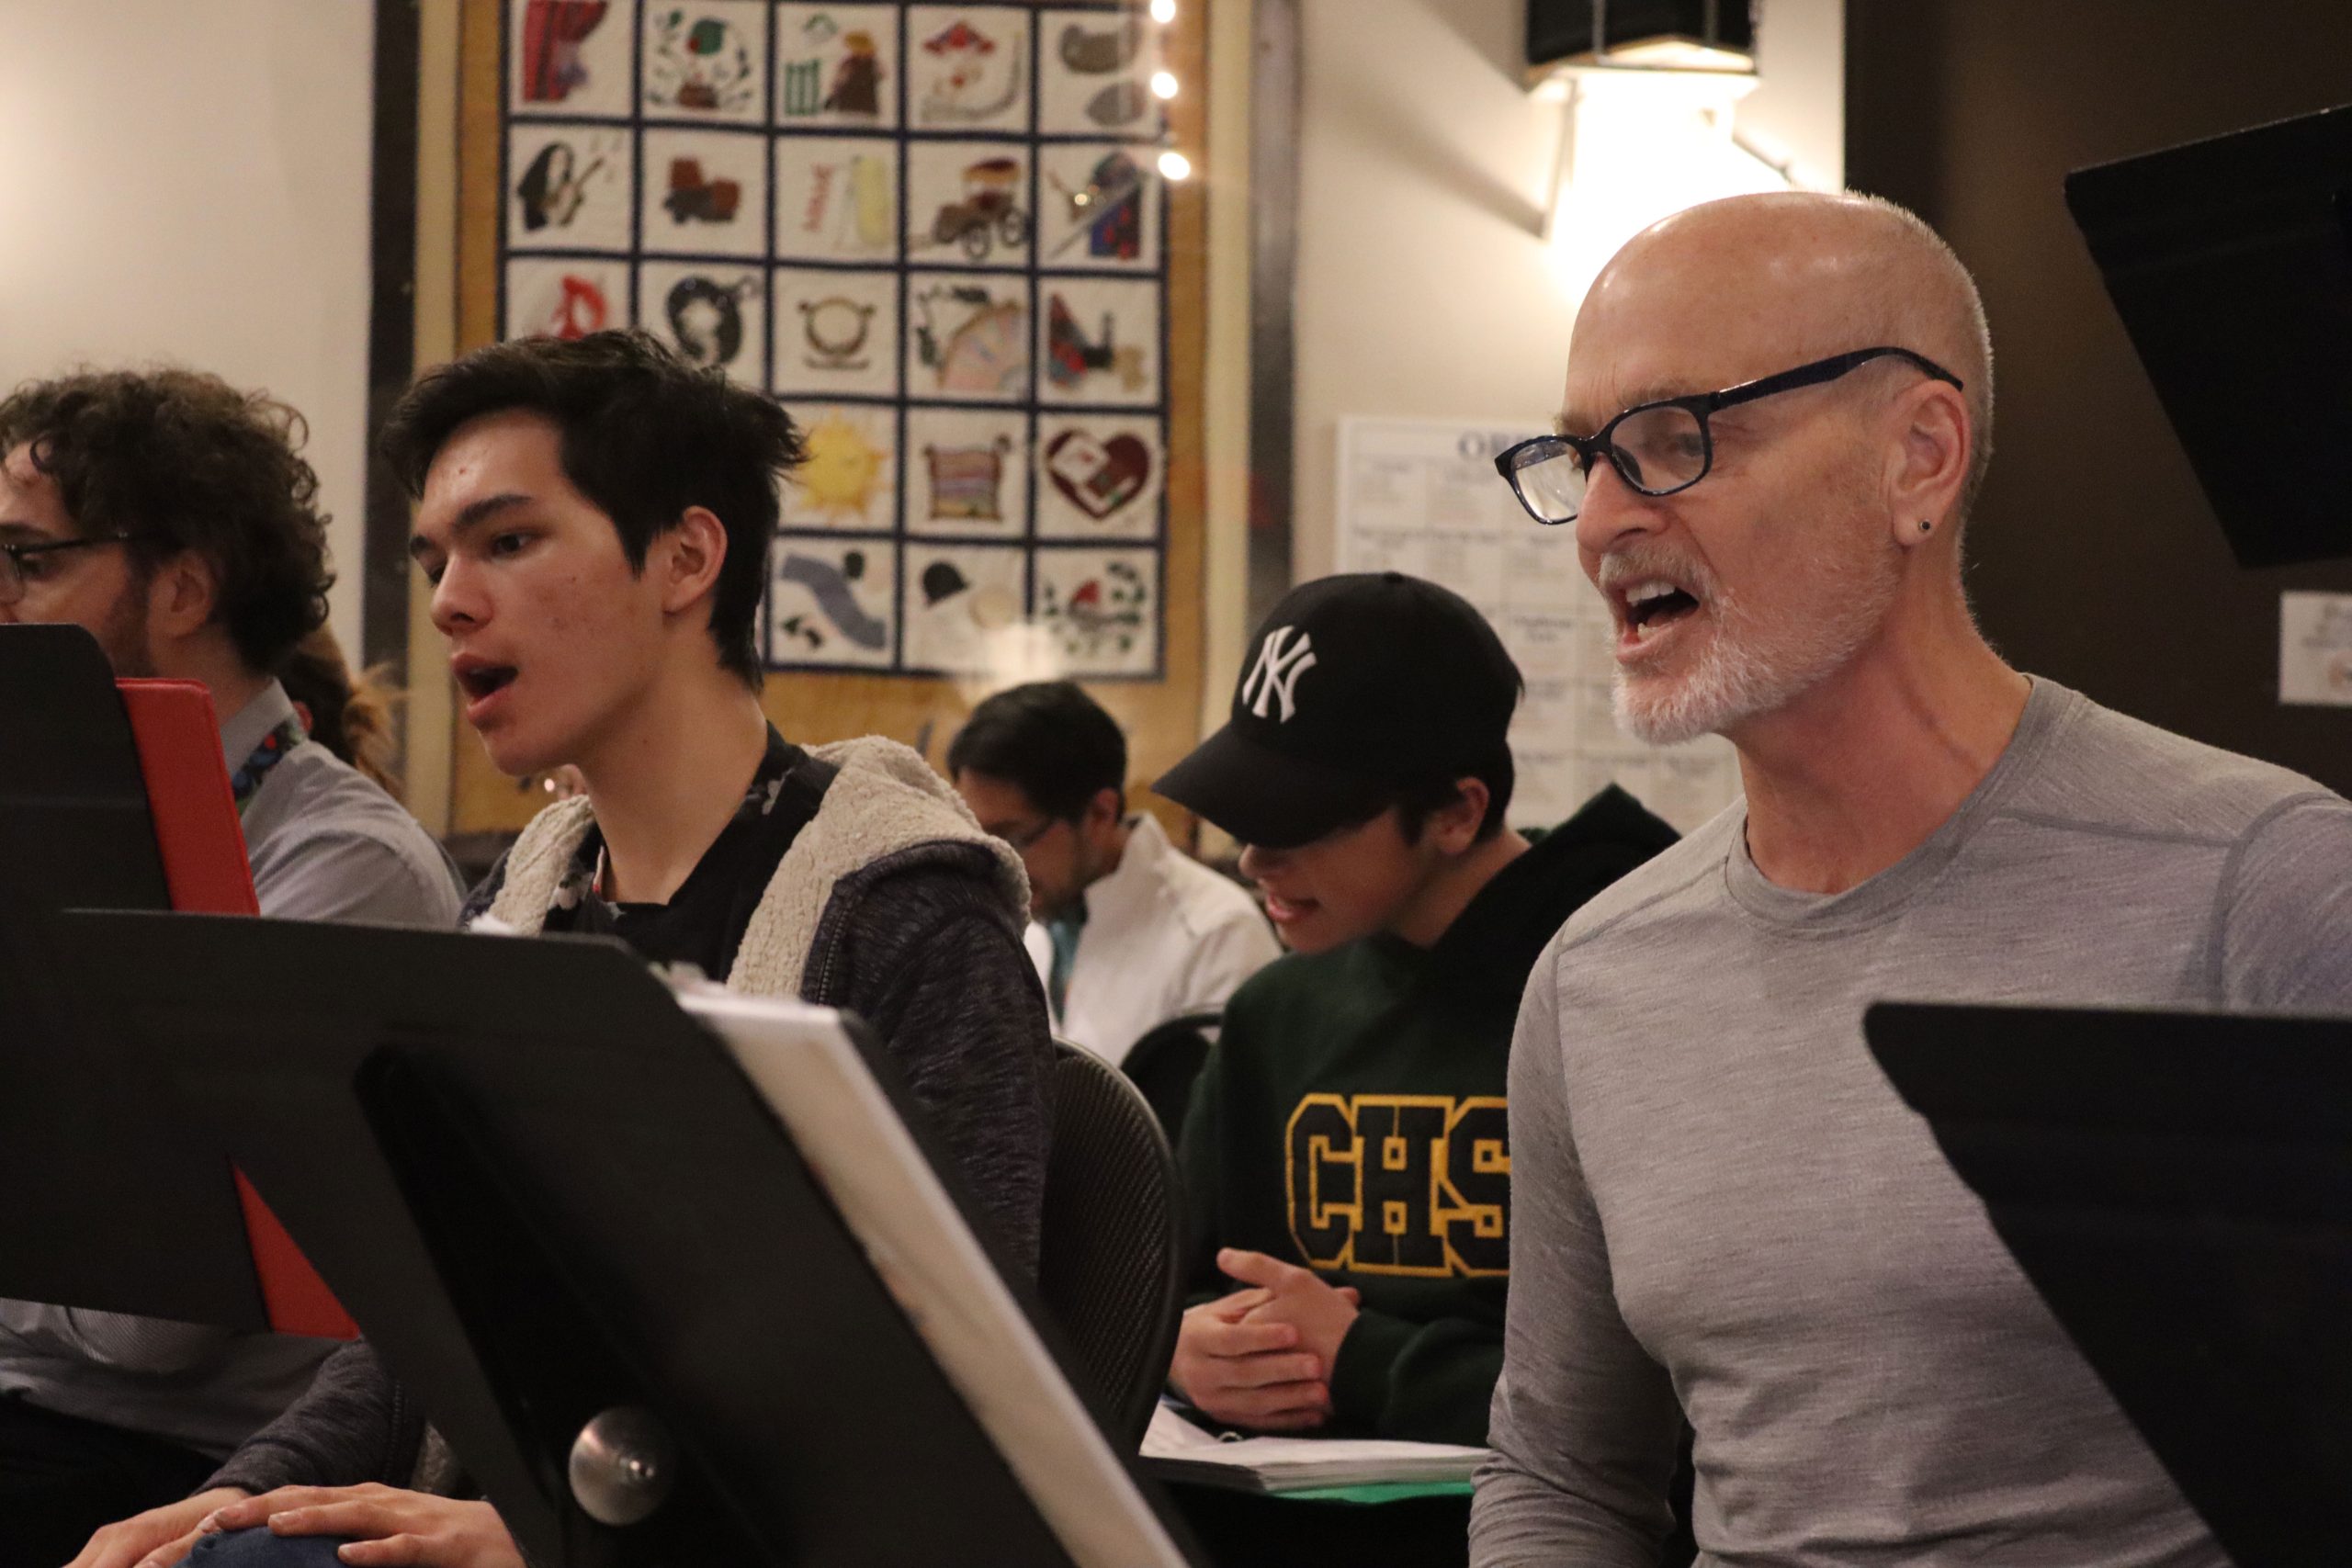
1639,35
1647,90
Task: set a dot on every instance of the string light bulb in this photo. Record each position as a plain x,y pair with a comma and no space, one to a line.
1163,11
1163,83
1174,165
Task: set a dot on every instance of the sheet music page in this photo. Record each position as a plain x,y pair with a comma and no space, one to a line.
813,1076
1290,1464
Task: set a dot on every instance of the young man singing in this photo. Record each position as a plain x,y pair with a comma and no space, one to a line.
594,519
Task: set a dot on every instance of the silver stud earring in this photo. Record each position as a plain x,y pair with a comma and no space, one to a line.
1924,525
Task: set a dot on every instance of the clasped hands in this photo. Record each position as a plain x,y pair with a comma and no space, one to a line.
1262,1356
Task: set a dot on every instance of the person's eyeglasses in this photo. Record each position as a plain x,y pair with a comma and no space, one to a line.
21,564
1660,448
1022,838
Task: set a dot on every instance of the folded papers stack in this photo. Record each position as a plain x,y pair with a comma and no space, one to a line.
1176,1449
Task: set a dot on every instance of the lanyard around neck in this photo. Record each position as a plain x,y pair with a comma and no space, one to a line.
246,783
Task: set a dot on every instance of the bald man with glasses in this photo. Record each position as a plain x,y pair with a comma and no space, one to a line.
1778,416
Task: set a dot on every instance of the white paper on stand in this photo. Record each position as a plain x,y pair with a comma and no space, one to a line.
811,1075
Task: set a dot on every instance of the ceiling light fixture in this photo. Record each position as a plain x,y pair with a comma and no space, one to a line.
1639,35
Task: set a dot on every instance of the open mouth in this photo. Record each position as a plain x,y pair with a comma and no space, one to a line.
484,679
1287,911
1650,607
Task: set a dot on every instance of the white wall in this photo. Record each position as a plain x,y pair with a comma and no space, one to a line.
1427,286
188,179
1799,110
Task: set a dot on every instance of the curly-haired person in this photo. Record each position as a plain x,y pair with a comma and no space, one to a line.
174,516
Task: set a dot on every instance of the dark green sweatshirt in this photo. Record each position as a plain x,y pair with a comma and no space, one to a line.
1352,1119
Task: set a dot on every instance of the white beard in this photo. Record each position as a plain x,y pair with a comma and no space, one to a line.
1751,667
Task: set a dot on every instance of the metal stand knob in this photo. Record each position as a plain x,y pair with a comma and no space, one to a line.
624,1466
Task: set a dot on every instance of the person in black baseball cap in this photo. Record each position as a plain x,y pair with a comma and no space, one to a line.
1362,693
1345,1158
1359,686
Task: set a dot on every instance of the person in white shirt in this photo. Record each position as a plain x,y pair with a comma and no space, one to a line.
1127,931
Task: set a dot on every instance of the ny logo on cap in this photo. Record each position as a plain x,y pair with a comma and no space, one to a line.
1274,678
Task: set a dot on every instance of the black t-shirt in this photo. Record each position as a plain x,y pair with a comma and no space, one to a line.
704,921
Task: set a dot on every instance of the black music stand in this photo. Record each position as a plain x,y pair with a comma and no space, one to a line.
2230,261
547,1194
81,1157
2178,1187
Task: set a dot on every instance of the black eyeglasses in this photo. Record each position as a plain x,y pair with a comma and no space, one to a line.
1661,448
1022,838
13,578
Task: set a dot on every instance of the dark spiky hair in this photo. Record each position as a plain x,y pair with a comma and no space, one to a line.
644,436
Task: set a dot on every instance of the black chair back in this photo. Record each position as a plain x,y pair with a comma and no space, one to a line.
1164,1062
1112,1237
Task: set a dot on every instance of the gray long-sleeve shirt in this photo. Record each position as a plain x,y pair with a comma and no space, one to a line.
324,844
1719,1206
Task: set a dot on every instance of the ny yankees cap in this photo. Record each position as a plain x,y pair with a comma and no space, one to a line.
1355,685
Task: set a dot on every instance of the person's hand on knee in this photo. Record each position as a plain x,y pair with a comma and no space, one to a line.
392,1528
157,1539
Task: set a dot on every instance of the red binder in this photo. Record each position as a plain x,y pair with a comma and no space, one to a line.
203,850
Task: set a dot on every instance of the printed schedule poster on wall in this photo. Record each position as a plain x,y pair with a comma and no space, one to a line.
1422,497
936,234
